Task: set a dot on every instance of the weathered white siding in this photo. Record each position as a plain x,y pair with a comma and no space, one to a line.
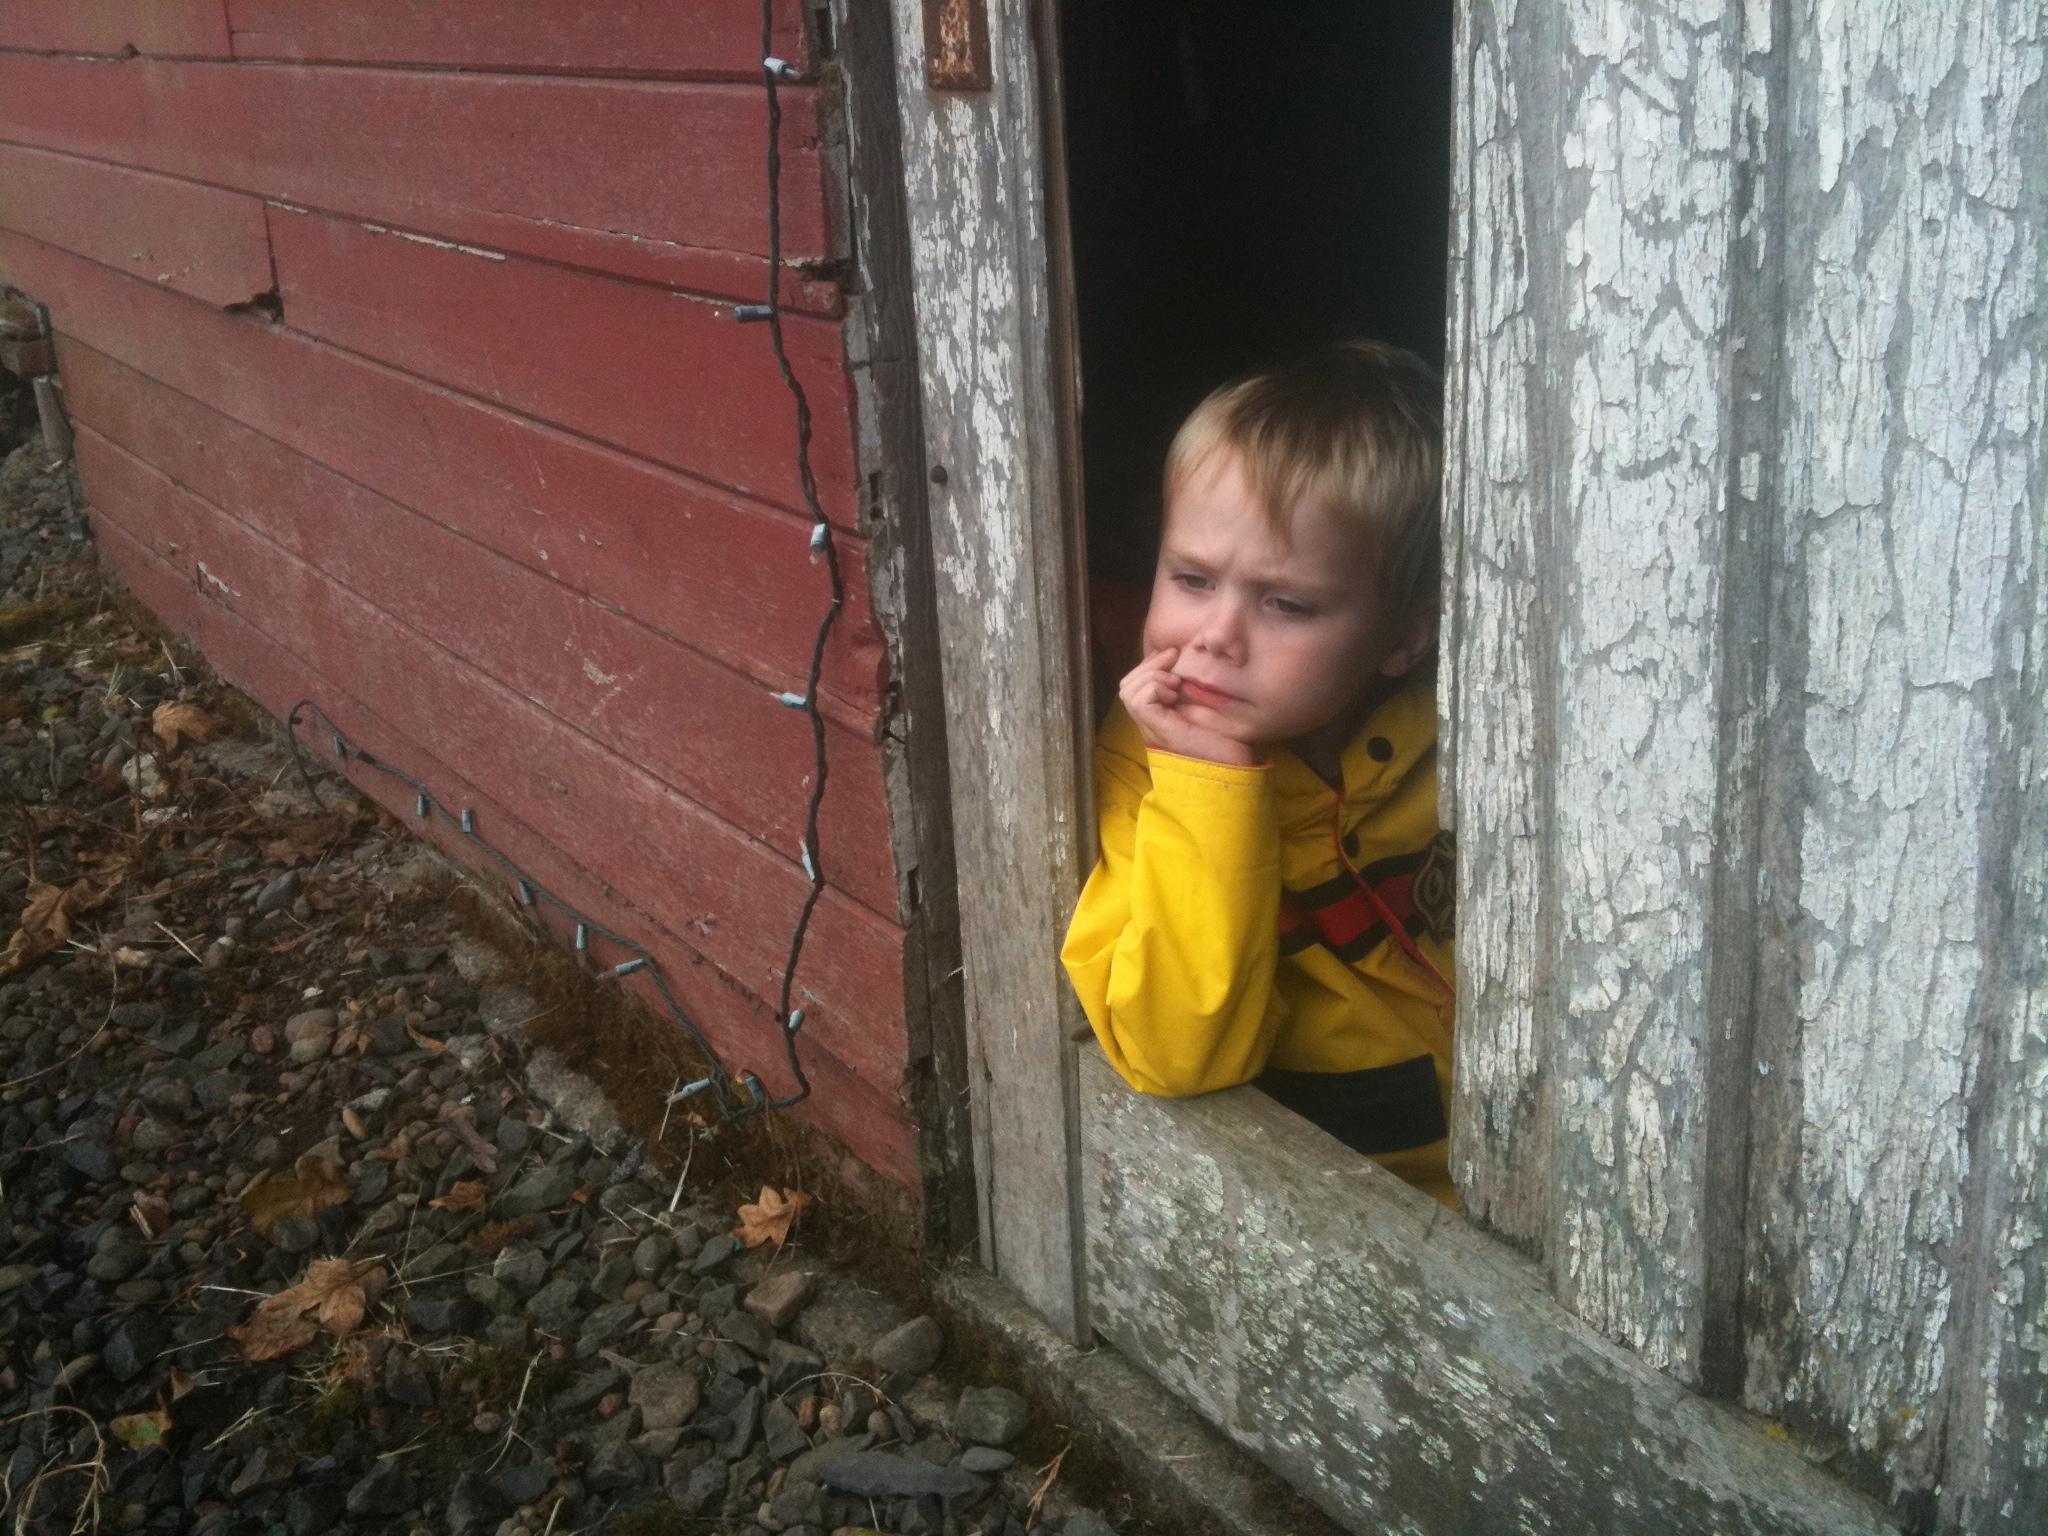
1746,707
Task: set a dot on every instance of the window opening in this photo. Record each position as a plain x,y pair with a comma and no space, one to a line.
1244,184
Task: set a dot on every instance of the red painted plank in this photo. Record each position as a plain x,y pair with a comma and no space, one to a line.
656,180
712,569
652,372
719,737
659,849
197,240
869,1117
195,28
715,37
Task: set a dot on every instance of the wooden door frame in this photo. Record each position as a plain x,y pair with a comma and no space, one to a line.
985,208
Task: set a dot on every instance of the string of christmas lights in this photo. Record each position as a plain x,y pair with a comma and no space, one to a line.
720,1083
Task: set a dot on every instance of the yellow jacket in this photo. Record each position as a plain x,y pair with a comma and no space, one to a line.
1197,974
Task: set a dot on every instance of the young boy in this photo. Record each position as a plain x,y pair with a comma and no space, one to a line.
1273,901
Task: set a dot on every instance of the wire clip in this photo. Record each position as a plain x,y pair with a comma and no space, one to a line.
745,312
782,69
794,700
821,534
628,967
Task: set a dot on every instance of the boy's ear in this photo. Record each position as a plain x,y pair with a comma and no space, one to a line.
1414,641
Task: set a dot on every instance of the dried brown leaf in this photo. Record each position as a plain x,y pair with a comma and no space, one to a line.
490,1239
46,921
330,1296
176,720
463,1195
312,1186
768,1220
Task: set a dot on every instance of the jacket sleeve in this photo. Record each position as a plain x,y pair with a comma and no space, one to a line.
1174,943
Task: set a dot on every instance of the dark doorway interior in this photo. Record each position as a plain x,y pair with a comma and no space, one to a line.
1246,181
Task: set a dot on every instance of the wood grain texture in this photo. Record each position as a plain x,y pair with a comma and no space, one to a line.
865,128
716,39
1745,716
198,240
661,374
1008,617
1897,1291
1394,1365
869,1119
659,849
713,568
176,28
701,728
655,180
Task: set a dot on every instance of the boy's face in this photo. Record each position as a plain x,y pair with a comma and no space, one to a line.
1274,641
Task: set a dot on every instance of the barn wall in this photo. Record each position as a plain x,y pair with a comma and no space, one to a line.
401,348
1746,720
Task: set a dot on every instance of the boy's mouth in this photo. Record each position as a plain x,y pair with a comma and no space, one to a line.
1203,693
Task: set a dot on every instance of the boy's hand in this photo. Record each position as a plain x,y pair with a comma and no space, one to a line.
1152,697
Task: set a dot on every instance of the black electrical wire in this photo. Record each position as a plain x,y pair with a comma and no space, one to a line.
719,1083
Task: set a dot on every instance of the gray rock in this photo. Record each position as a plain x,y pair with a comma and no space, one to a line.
666,1394
612,1466
1085,1522
704,1487
778,1299
985,1460
514,1135
746,1419
990,1416
441,1314
539,1191
506,1333
749,1332
588,1388
308,1035
115,1263
12,1275
495,1297
780,1434
556,1305
406,1380
653,1255
92,1159
386,1489
716,1253
607,1323
789,1364
219,1055
522,1485
131,1347
474,1503
878,1475
215,1089
912,1349
293,1233
275,897
153,1137
522,1268
138,1293
613,1276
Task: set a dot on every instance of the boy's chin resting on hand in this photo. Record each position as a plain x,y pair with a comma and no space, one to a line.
1170,718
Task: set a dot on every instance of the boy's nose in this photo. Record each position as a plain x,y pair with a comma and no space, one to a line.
1222,633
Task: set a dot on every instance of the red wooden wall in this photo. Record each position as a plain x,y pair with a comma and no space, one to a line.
506,489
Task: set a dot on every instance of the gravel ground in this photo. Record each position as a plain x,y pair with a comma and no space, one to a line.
305,1231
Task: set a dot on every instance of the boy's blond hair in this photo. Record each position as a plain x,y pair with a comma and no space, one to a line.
1358,426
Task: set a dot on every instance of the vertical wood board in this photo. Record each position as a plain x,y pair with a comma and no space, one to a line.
1015,713
1897,1297
655,180
196,240
717,38
1744,709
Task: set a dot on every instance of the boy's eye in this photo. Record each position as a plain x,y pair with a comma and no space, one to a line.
1194,581
1292,607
